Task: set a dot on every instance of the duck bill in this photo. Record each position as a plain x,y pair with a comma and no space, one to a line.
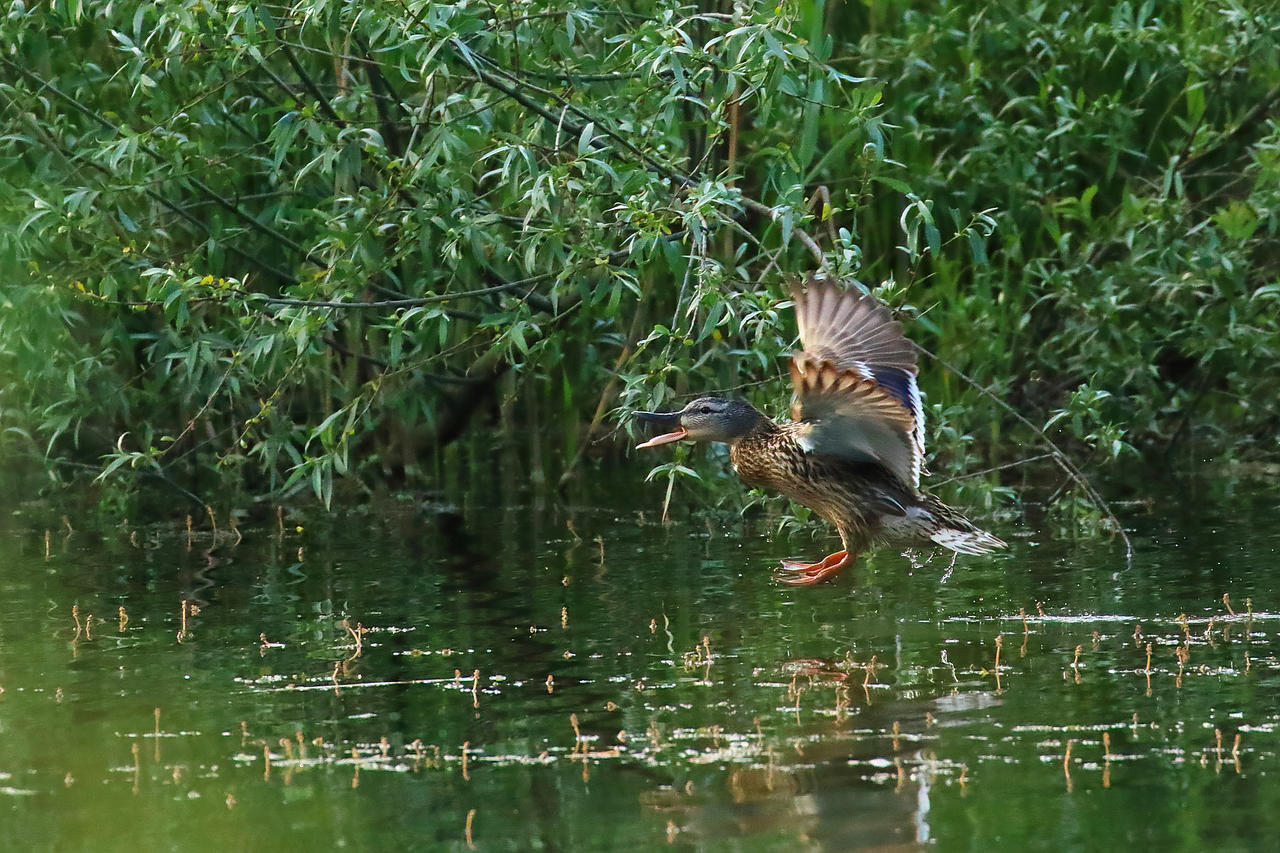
662,420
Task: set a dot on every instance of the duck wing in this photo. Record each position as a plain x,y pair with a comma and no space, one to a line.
855,380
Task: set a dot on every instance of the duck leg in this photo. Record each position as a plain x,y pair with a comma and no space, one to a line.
806,574
797,566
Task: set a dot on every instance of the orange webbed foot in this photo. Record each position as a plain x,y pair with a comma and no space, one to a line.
806,574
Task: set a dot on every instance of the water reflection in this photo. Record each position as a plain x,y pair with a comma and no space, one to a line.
854,772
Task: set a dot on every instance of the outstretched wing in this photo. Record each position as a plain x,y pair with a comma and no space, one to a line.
855,380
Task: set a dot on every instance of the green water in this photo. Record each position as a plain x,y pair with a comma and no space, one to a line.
861,714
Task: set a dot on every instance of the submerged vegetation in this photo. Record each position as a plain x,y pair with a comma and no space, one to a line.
269,246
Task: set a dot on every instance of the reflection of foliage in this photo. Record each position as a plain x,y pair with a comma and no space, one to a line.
597,206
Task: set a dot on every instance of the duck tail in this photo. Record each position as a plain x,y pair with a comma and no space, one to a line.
952,530
975,540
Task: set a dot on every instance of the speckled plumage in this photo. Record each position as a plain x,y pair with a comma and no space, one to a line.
864,502
854,450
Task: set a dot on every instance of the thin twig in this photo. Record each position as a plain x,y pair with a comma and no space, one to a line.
1248,122
321,101
985,471
508,87
799,233
208,191
1062,459
409,302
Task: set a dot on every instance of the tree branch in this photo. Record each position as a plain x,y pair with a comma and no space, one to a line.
1247,123
155,155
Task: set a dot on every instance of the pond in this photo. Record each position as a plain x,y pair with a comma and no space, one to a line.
509,673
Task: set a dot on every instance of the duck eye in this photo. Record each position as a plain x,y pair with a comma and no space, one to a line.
706,410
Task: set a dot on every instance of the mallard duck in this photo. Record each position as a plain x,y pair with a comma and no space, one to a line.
853,450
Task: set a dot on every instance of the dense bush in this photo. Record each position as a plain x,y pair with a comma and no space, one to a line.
269,246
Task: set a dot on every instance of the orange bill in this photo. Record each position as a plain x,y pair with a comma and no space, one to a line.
665,438
662,420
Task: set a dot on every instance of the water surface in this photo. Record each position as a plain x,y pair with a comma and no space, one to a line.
514,674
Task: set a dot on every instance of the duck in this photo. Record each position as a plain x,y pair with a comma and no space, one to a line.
853,450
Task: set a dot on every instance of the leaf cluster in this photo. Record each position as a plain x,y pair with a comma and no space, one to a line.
275,245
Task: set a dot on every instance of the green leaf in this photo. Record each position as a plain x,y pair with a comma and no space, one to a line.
585,138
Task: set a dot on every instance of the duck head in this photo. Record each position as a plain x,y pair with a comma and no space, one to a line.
704,419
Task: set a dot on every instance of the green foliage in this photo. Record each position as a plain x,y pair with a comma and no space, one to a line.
276,246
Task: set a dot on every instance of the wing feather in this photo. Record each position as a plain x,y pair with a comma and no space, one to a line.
855,380
847,327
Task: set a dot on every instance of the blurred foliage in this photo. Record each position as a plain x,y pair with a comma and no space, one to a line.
266,246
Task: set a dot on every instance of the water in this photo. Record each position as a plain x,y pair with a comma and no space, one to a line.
546,677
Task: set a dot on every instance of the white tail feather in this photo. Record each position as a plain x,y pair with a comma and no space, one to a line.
966,541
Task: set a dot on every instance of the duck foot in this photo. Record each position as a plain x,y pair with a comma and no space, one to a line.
806,574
